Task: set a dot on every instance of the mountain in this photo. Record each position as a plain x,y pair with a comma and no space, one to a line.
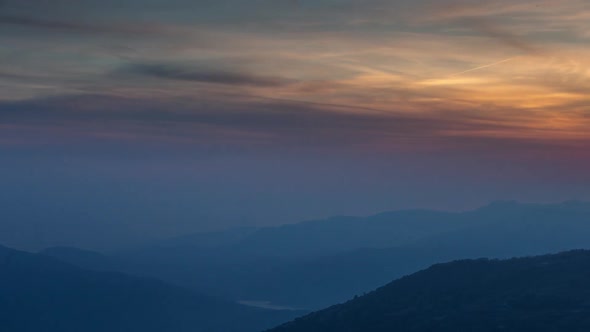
304,283
559,226
309,239
274,264
292,265
541,294
215,239
340,234
84,258
307,265
39,293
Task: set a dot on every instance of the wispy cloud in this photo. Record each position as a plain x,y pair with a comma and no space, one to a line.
503,36
483,66
202,74
376,69
260,123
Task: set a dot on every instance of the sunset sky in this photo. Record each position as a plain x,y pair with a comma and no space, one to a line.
182,115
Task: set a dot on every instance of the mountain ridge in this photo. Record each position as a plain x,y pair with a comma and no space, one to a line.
341,269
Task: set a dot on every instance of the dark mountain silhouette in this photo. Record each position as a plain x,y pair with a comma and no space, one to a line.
39,293
349,264
545,293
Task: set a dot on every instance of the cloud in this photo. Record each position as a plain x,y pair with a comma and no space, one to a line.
239,122
78,27
388,65
203,75
504,37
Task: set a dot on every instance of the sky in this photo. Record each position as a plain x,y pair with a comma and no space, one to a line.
125,121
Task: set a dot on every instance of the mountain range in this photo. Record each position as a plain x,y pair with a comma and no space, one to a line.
39,293
314,264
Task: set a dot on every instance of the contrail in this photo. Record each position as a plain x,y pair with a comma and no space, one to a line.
484,66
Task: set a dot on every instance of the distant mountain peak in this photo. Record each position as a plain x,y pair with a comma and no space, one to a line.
501,204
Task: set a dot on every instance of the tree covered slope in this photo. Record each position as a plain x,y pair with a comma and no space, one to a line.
544,293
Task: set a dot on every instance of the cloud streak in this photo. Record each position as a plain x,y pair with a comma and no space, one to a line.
260,123
483,66
202,75
504,37
254,65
